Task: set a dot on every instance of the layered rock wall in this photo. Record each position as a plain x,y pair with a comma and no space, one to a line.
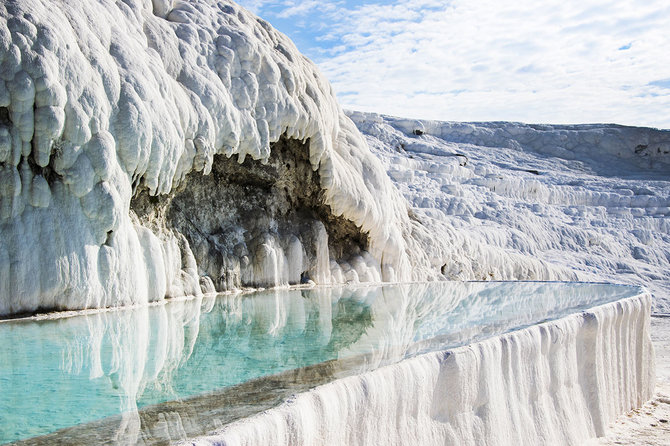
112,118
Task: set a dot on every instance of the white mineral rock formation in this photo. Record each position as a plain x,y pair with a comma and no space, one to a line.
517,201
170,148
109,102
560,382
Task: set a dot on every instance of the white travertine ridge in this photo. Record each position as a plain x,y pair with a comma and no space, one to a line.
555,383
104,101
168,148
153,149
518,201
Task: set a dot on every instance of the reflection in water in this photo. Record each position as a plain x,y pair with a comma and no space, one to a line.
65,372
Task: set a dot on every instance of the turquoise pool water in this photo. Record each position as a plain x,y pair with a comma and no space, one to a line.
68,371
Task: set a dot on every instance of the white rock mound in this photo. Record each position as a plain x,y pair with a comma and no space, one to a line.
152,150
107,101
518,201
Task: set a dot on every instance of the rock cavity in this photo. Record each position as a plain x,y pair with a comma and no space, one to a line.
255,224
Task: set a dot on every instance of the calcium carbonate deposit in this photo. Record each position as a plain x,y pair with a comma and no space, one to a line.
152,150
166,148
517,201
555,383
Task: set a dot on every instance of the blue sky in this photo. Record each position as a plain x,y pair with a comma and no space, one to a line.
551,61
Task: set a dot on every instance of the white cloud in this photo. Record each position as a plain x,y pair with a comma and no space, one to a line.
300,8
255,6
556,61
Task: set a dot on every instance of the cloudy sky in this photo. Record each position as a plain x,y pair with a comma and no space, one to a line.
539,61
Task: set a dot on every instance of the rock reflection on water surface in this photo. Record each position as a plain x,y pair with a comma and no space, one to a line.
170,371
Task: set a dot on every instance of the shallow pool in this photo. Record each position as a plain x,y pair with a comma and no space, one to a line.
126,373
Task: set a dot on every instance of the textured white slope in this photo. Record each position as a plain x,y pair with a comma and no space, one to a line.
110,110
102,98
648,425
499,199
555,383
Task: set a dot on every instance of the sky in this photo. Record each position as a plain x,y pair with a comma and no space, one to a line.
535,61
